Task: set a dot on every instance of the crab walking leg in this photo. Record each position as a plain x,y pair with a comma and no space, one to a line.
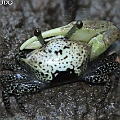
106,90
101,79
98,73
18,89
6,100
8,65
117,77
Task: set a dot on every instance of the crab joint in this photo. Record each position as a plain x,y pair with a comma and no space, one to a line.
38,34
75,27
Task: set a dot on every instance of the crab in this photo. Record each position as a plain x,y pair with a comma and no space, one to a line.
60,56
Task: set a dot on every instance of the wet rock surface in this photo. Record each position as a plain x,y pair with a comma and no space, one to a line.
69,102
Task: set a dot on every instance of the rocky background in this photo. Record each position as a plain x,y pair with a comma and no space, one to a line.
69,102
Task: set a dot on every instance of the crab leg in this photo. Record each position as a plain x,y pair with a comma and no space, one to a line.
6,100
98,73
107,88
18,89
8,64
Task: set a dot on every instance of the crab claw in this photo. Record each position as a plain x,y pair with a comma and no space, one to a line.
99,34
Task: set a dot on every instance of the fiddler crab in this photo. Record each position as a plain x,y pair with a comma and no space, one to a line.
60,56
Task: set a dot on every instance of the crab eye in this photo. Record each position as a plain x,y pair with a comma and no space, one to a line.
79,24
37,32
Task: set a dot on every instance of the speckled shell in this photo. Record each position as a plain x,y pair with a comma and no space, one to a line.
56,56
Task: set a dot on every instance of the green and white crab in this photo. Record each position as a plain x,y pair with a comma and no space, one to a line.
59,56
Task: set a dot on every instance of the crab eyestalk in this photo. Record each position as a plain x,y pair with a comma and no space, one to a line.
75,27
38,34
